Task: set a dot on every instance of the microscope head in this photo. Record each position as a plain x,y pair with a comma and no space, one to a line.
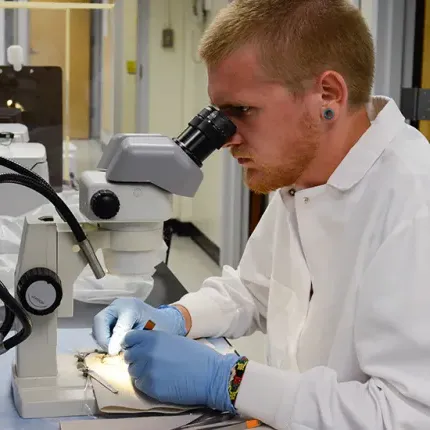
138,173
172,164
131,192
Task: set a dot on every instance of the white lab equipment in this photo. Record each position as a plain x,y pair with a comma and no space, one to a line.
15,57
122,208
15,146
17,200
19,133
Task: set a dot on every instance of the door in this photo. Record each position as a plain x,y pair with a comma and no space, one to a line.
424,126
47,48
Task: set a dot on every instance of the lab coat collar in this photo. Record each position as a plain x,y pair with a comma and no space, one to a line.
387,121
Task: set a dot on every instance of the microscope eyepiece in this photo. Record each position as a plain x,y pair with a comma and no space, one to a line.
209,130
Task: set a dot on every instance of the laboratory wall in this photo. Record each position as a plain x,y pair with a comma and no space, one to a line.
107,77
128,117
207,204
116,68
177,91
166,76
369,9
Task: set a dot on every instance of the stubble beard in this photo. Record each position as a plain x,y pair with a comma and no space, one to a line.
265,179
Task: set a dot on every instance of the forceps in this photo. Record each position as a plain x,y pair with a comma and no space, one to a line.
90,373
87,372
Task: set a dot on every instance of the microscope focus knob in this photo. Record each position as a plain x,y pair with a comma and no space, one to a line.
105,204
39,291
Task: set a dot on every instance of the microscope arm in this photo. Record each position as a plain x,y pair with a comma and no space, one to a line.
48,264
44,384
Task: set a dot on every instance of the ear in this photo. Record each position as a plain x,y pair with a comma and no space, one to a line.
333,90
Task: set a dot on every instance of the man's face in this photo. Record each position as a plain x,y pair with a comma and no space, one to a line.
277,134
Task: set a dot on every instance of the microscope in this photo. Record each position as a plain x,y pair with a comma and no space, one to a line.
122,207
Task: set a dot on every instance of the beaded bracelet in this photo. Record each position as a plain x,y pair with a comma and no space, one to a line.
236,377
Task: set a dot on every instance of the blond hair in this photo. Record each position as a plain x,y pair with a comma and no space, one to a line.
297,41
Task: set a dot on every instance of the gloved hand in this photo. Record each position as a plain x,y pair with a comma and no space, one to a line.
122,315
179,370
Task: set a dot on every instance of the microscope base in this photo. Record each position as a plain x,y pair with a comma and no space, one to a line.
66,395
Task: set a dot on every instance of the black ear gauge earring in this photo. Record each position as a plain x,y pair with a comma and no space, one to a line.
328,113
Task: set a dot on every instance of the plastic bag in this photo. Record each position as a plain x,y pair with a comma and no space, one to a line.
10,234
86,287
91,290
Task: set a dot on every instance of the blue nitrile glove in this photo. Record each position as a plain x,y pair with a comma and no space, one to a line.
179,370
122,315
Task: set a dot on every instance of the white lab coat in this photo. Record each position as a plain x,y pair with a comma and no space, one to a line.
357,355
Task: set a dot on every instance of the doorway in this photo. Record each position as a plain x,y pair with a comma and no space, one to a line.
47,48
415,88
423,54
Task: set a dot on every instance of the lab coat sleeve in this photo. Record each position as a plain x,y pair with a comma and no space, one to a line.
392,341
235,304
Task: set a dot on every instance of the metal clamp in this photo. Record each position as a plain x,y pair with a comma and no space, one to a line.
87,372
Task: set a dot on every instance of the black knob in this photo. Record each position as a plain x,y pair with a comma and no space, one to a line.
39,291
105,204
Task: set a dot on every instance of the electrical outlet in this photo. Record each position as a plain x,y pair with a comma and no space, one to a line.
168,38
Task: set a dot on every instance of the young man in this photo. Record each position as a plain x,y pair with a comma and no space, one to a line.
337,272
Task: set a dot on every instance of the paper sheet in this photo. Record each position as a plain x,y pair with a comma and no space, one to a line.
129,400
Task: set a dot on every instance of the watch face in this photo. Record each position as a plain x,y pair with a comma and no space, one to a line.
34,97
